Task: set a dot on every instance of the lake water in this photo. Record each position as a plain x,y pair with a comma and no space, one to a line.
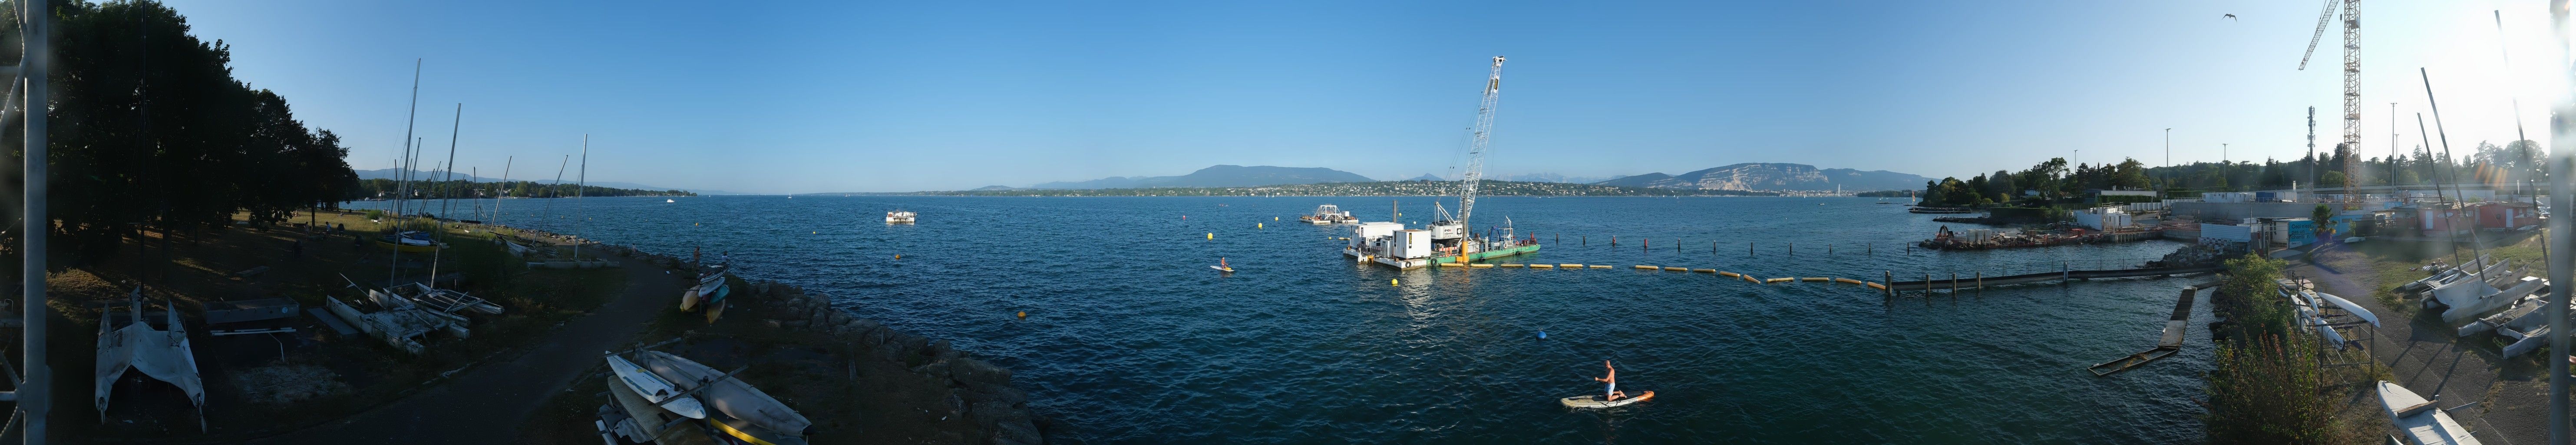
1131,338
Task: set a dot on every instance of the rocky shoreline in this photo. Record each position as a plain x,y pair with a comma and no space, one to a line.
976,390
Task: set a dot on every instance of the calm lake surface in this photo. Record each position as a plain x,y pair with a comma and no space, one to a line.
1131,338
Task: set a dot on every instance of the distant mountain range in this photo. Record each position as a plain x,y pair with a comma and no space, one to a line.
1774,176
418,175
1219,176
1552,177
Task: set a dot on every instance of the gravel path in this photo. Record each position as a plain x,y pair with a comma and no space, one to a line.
488,403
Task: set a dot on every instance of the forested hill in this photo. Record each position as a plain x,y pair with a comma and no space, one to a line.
387,189
1380,188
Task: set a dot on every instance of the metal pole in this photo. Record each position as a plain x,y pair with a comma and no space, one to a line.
2561,266
34,392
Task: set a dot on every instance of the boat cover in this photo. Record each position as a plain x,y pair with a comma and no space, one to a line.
728,395
163,355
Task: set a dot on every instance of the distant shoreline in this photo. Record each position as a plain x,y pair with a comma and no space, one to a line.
1381,188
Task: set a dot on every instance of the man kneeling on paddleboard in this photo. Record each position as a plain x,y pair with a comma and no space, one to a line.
1613,380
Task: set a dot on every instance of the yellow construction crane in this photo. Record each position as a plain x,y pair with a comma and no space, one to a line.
2351,146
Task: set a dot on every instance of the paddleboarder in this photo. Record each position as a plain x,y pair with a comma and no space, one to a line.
1613,380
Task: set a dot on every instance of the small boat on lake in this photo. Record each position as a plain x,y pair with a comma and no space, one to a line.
1220,265
899,217
1329,214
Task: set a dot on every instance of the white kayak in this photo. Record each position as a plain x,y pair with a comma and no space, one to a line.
1594,401
655,389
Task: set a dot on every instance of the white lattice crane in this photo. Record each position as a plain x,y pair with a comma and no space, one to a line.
2351,146
1476,157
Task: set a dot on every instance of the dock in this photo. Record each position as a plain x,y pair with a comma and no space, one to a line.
1956,282
2166,345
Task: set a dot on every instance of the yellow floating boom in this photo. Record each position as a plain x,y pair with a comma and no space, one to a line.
1646,267
1570,266
1599,266
1819,279
1542,266
1676,269
1779,280
1730,274
1704,270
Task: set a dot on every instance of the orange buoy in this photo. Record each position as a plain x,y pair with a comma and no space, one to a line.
1024,315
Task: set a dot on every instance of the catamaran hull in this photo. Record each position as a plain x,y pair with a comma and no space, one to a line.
407,248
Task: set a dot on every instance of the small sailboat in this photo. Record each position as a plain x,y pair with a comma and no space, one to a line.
1220,265
668,200
656,389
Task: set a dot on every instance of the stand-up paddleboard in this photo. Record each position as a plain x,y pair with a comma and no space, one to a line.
655,389
1594,401
1221,267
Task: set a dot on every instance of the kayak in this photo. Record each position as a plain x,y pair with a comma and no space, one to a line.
1594,401
1222,268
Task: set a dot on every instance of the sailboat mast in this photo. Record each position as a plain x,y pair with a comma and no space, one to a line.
504,187
1476,154
402,187
577,191
447,191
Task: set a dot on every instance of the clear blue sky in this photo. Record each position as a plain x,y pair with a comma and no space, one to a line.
778,97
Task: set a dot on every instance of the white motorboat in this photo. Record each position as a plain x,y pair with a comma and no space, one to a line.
900,217
1329,214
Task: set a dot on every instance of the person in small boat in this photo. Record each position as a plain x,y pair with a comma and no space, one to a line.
1612,392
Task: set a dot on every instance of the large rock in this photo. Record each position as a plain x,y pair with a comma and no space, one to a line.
979,373
1017,433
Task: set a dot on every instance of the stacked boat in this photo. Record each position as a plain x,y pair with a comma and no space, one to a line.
2478,288
710,290
2326,314
660,396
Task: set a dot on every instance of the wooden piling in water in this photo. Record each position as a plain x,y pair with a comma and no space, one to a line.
1891,278
1954,284
1981,281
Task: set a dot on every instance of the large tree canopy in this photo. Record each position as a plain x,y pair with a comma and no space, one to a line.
148,128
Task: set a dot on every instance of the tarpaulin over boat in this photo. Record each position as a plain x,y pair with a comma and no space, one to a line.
163,355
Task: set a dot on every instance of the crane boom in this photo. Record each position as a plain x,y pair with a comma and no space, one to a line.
2323,18
1476,155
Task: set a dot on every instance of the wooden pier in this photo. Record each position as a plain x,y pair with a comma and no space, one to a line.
1956,282
2167,344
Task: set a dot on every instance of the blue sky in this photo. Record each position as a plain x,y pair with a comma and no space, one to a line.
897,96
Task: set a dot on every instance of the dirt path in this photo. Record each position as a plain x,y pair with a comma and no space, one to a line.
487,403
2427,358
